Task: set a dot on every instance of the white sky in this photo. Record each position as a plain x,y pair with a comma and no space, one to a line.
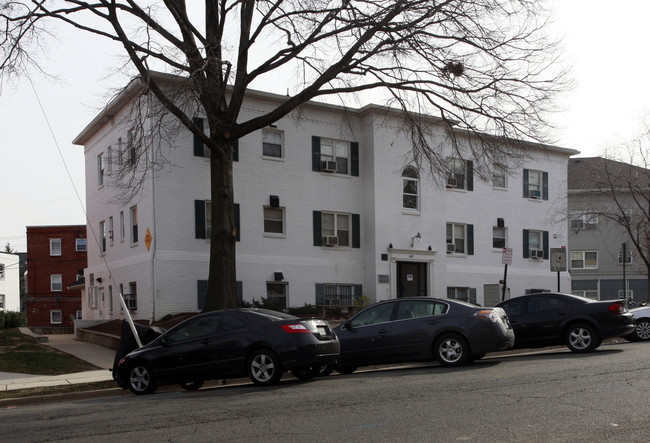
605,43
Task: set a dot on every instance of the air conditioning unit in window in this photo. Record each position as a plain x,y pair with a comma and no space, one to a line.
534,194
536,253
328,166
451,248
577,224
451,183
329,240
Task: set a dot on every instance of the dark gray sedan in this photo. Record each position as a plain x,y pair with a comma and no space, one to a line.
420,328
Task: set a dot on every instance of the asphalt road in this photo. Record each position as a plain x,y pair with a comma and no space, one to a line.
558,396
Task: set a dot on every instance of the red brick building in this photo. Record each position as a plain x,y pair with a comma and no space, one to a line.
56,258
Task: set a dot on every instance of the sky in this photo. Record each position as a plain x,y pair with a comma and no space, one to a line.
42,177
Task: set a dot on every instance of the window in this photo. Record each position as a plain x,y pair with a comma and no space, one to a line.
336,229
203,219
2,301
131,299
499,237
622,294
276,295
102,236
200,149
535,244
460,238
542,304
374,315
273,220
120,152
110,230
410,189
460,174
499,177
334,156
420,308
584,259
587,293
2,271
92,297
462,294
56,317
100,169
131,146
122,228
272,143
80,245
55,246
56,283
535,184
109,160
513,307
628,258
579,220
110,298
134,224
338,296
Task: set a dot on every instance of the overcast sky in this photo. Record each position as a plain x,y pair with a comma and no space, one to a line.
42,178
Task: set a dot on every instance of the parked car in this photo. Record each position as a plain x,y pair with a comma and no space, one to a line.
642,329
546,319
419,329
257,343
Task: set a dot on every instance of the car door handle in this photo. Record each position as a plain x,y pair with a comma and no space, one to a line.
382,331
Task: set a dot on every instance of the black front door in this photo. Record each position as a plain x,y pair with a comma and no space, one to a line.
412,279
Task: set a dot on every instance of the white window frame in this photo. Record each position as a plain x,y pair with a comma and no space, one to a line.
80,244
100,170
456,293
453,235
54,313
536,183
331,150
494,237
56,282
630,294
336,228
458,172
55,251
410,177
268,219
583,259
499,177
271,137
133,217
630,254
532,233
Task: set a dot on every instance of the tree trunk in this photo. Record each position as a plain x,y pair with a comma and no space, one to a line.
222,292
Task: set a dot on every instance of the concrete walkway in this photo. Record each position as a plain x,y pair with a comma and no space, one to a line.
94,354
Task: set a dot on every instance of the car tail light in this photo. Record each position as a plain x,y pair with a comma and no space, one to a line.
487,314
616,308
296,328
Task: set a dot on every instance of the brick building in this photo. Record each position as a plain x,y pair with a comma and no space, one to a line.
56,257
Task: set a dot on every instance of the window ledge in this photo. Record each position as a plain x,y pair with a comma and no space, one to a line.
463,190
411,211
272,235
537,200
276,159
335,174
457,255
499,188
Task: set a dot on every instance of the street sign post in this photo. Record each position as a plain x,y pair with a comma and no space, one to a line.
506,259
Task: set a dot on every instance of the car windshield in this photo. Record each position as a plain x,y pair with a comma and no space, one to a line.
271,315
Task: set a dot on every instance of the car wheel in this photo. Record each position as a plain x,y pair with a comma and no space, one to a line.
306,373
345,370
264,368
451,350
141,379
642,330
581,338
192,385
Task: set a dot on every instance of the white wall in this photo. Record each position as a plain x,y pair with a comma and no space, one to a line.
10,283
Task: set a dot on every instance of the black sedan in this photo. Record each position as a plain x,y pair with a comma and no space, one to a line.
419,329
257,343
546,319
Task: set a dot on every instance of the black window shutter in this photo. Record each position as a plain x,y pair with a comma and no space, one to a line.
526,253
470,239
236,213
356,231
202,293
199,218
240,293
358,292
470,175
318,229
545,189
354,147
315,153
526,184
320,294
198,143
235,151
472,295
545,241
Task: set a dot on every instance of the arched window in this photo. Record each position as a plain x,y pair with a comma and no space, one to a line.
410,188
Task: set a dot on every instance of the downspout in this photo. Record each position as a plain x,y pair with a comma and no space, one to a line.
153,214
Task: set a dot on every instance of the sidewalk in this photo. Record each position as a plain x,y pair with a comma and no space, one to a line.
95,354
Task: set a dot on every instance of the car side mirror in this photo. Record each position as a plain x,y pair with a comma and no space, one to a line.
164,341
348,325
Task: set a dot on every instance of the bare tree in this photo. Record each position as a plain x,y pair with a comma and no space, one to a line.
484,66
616,189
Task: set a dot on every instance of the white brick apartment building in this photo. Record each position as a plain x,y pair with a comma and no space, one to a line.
9,282
329,209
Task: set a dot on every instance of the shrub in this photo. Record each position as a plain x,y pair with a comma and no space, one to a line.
12,319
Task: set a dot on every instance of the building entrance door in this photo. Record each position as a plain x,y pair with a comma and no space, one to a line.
411,279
